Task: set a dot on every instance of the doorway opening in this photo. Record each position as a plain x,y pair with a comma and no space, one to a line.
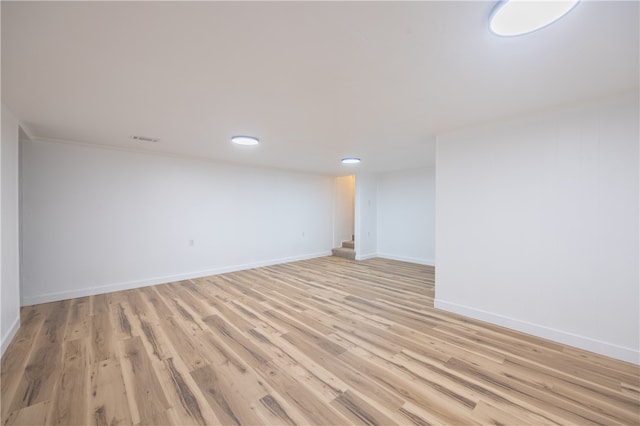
344,217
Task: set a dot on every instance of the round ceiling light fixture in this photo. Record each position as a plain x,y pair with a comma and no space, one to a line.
350,160
245,140
517,17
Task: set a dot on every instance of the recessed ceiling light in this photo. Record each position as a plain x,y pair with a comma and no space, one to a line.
350,160
517,17
245,140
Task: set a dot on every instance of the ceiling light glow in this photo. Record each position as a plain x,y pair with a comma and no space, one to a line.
245,140
517,17
350,160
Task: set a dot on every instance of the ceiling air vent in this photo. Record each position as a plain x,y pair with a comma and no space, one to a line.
143,138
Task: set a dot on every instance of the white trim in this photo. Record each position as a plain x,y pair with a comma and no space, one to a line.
603,348
90,291
366,256
429,262
7,338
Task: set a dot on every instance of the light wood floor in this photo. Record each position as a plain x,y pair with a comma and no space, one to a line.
323,341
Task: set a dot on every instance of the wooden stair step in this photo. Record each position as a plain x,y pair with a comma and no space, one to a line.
347,253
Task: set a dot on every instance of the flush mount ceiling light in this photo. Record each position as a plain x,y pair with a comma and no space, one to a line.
517,17
245,140
350,160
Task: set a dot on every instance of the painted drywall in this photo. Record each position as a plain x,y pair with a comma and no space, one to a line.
406,215
537,225
366,216
344,205
98,220
9,236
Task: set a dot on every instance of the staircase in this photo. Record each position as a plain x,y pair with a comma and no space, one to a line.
347,250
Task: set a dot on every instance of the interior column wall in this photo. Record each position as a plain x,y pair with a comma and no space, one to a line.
366,216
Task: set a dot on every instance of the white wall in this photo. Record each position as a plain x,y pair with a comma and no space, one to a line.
9,248
406,216
366,216
537,225
344,205
98,220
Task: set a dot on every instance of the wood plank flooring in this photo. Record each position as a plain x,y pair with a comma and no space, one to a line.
326,341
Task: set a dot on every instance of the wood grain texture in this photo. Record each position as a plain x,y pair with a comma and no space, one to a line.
316,342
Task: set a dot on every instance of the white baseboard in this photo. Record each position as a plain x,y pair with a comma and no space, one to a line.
90,291
365,256
429,262
560,336
6,339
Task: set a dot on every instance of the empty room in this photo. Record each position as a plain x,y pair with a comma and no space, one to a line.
320,213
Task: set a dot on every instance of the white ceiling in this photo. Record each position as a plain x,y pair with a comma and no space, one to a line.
315,81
